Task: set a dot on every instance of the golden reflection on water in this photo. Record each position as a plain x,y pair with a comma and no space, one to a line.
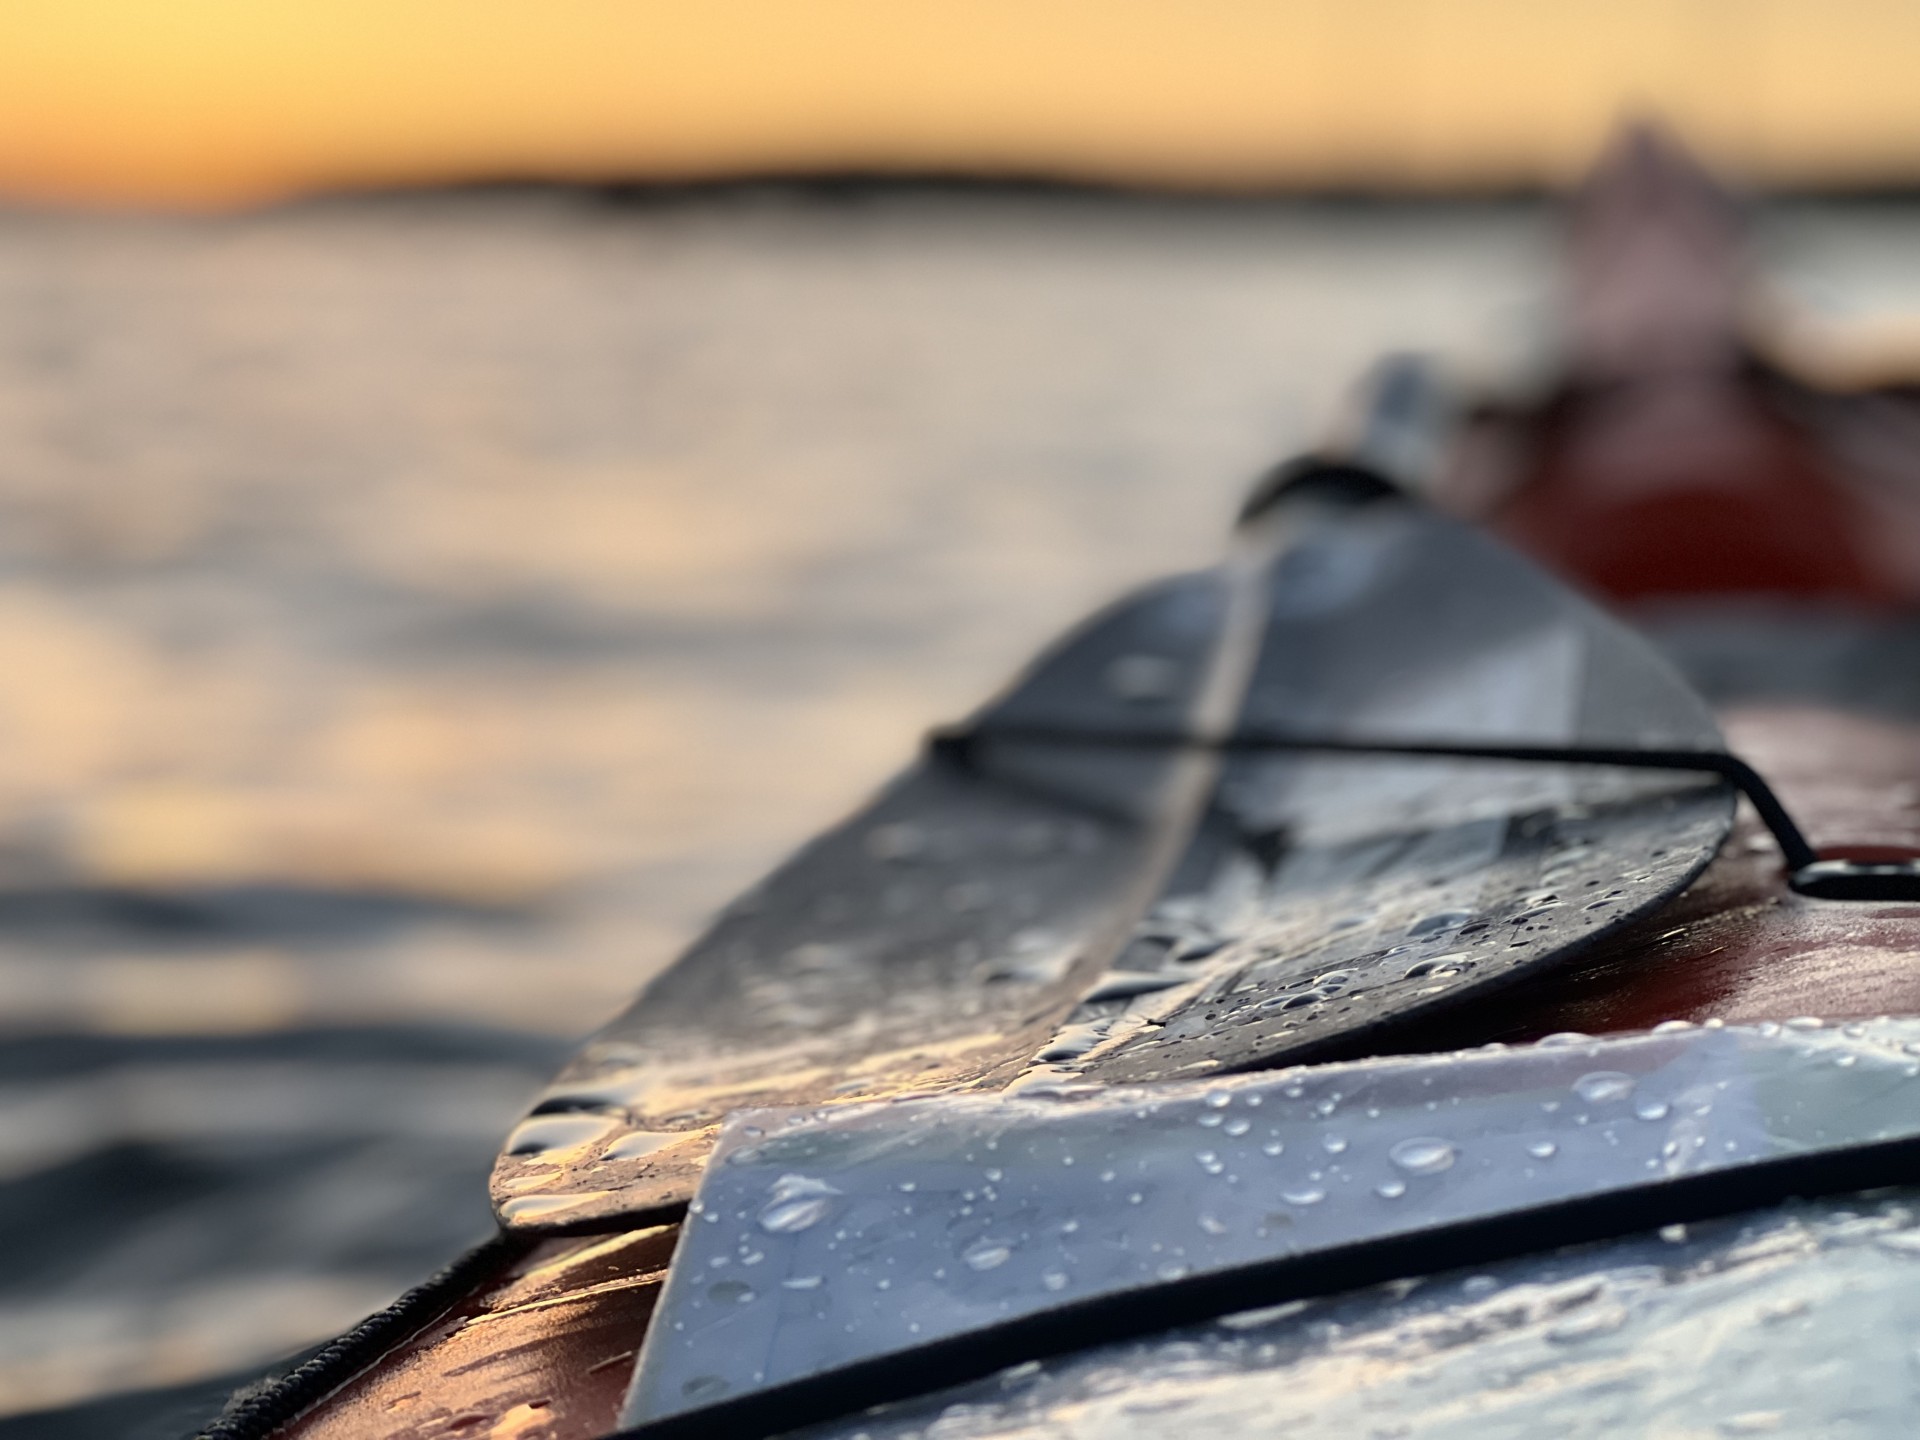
564,565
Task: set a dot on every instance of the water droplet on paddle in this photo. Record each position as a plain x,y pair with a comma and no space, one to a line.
987,1255
1423,1155
796,1204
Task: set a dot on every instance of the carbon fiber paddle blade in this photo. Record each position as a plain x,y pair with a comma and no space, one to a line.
979,925
1328,898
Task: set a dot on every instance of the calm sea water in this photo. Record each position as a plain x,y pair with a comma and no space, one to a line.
417,614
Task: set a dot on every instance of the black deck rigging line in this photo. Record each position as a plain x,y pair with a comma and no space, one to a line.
1794,846
1153,1309
256,1413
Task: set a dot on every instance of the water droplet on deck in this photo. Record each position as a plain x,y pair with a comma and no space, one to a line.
1441,966
1542,1149
797,1202
730,1292
1304,1195
532,1209
1073,1042
1601,1086
1423,1155
987,1255
559,1132
1125,984
636,1143
801,1282
1441,920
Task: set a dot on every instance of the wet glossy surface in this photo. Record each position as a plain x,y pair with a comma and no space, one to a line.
1738,945
957,933
821,1241
544,1353
937,936
1797,1321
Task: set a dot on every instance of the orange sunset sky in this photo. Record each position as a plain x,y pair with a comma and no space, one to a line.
212,102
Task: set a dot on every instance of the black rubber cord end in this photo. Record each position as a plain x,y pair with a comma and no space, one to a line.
1858,880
